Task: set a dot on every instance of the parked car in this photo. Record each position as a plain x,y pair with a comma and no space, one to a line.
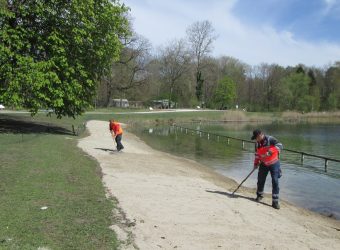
2,107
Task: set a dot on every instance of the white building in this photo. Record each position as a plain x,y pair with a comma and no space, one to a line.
121,103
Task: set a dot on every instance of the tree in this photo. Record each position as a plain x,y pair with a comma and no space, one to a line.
225,93
294,89
52,52
271,76
314,91
174,61
263,90
130,71
332,87
212,76
236,70
200,36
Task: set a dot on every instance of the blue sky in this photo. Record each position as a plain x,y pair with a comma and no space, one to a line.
314,20
286,32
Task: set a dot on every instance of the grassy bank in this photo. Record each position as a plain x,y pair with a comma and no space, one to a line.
46,169
223,116
312,117
132,116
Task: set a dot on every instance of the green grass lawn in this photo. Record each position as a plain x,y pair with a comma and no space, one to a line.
38,170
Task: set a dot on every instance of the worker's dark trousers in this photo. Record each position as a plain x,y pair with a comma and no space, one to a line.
275,173
119,142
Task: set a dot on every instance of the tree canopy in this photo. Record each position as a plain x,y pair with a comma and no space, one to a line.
52,52
225,93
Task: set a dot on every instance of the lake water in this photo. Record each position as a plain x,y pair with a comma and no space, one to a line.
306,185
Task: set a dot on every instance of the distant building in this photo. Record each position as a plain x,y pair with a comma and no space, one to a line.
136,104
121,103
162,104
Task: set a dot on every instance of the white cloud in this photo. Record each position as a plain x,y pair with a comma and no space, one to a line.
331,7
161,21
330,3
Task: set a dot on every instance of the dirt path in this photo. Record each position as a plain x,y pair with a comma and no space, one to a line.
174,203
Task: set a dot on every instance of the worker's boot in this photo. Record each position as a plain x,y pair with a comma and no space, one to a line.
276,205
259,198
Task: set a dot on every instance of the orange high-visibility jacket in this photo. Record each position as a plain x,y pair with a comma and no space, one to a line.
116,128
262,155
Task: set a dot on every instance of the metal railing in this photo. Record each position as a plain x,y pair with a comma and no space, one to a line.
243,141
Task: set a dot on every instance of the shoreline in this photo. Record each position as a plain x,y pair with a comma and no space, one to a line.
171,202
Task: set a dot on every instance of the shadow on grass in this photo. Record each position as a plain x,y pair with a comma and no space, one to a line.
9,124
230,195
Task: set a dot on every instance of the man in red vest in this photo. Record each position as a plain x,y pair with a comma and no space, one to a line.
117,133
267,159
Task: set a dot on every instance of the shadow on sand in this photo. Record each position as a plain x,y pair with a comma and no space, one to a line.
230,195
106,149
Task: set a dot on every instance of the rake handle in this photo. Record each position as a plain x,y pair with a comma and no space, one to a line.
244,180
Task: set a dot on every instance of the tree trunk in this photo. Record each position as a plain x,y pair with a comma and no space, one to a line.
170,95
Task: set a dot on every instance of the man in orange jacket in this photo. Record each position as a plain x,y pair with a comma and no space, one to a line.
117,133
267,159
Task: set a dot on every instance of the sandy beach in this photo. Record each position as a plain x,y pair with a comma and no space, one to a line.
168,202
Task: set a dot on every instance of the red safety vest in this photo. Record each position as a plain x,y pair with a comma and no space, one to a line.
117,129
262,155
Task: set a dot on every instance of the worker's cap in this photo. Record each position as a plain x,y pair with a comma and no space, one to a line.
256,132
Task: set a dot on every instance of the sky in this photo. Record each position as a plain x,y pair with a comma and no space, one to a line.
285,32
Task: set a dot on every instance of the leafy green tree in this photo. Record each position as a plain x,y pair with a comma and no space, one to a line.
236,70
332,87
285,97
52,52
333,101
295,92
225,94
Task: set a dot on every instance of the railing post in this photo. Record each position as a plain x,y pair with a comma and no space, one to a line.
228,141
326,164
302,158
208,136
242,144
